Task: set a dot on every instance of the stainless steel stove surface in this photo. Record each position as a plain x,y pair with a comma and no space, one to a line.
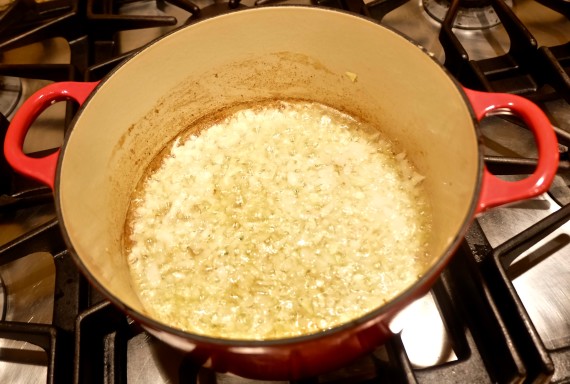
500,312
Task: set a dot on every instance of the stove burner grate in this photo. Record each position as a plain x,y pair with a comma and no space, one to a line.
487,346
28,22
542,364
527,69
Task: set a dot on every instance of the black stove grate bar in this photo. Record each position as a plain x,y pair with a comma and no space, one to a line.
27,13
54,340
101,336
98,71
502,165
47,338
215,9
45,238
539,364
355,6
554,363
380,8
82,18
553,59
25,199
525,70
397,367
514,247
53,72
105,23
64,25
190,6
71,294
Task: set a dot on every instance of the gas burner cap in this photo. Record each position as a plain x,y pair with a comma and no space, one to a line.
471,17
10,93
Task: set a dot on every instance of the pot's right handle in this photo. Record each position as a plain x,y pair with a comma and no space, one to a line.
40,169
495,191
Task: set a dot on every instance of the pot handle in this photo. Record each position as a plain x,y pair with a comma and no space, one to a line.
495,191
40,169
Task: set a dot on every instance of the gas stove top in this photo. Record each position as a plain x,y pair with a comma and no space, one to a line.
499,313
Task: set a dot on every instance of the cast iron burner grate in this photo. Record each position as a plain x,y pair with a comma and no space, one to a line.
541,363
490,331
80,22
536,72
55,339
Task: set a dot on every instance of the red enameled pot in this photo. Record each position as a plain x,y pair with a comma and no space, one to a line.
292,52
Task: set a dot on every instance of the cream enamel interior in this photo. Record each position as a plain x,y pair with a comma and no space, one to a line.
284,52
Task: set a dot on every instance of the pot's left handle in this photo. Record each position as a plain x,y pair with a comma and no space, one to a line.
41,169
495,191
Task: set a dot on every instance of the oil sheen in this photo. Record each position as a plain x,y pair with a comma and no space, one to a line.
281,220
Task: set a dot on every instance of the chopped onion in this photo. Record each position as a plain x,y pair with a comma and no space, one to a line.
278,221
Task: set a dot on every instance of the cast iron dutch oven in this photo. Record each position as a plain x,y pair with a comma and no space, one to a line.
292,52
